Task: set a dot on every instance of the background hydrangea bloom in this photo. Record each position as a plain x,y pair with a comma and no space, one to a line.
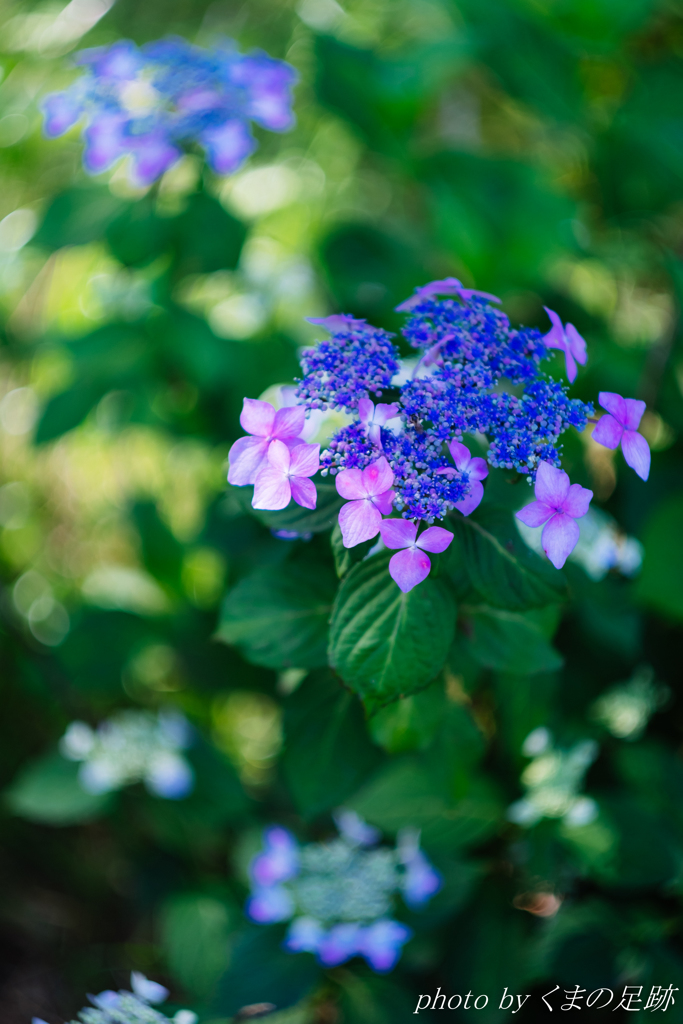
151,103
552,781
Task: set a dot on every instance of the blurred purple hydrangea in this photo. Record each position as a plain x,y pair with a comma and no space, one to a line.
339,896
152,102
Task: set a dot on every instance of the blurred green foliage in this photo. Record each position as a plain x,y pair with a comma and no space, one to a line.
532,149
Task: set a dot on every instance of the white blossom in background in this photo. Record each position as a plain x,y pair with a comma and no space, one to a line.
124,1007
552,782
132,746
602,546
626,708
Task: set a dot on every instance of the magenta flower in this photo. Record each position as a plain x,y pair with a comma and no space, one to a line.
412,566
558,504
568,340
370,497
449,286
621,424
249,454
476,469
374,417
339,322
286,476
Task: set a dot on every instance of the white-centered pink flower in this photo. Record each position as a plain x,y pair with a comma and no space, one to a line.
568,340
370,496
558,505
621,424
412,565
476,469
374,417
285,476
249,454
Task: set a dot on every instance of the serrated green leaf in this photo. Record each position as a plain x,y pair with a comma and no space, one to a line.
48,791
509,641
386,644
501,568
278,616
328,753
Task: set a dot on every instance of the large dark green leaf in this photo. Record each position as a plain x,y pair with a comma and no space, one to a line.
195,929
261,971
327,750
500,566
513,642
386,644
48,791
77,216
661,581
278,616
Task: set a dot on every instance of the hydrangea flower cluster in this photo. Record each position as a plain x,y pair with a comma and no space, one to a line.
552,781
134,1007
132,746
154,101
626,709
473,374
339,895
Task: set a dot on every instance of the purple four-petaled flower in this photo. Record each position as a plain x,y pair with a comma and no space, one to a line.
476,469
286,477
250,454
370,496
568,340
621,424
412,565
374,417
558,505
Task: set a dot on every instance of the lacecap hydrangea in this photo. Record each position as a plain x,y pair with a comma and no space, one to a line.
125,1007
403,454
340,896
152,103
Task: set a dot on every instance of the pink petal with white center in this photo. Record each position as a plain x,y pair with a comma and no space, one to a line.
279,457
349,484
305,460
408,568
384,502
615,405
434,539
359,521
289,422
303,491
577,501
577,344
460,454
472,499
535,514
377,478
607,431
271,490
552,485
559,538
636,452
634,413
246,458
398,533
257,417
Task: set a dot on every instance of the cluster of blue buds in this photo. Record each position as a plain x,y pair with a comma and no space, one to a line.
339,895
153,102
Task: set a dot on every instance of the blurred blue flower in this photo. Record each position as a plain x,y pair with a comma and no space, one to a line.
151,103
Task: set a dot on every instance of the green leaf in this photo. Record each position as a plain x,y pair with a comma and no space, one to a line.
386,644
504,571
77,216
207,237
48,791
661,580
195,932
509,641
65,411
295,518
328,753
345,558
403,794
278,616
138,235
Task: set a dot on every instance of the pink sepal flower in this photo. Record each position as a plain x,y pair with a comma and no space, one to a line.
621,424
449,286
249,454
370,497
558,505
568,340
285,477
476,469
412,566
374,417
